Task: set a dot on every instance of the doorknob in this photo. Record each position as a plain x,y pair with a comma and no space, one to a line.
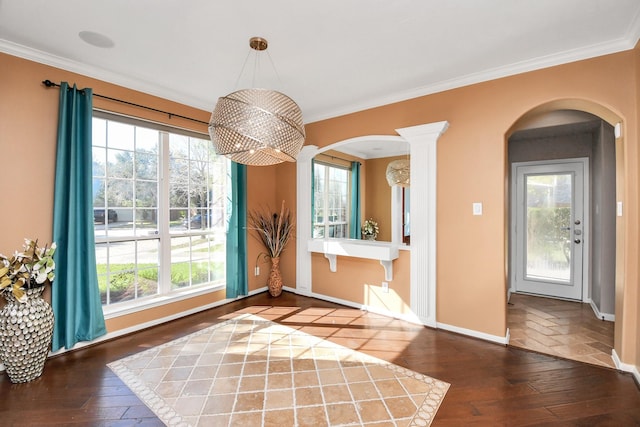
577,240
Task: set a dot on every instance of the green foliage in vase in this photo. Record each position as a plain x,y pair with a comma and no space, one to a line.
33,267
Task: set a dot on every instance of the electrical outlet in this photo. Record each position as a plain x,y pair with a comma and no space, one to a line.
257,271
385,287
477,208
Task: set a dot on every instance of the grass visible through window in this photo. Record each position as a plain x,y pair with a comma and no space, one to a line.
122,283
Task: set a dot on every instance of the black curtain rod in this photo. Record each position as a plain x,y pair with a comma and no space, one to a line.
336,157
49,83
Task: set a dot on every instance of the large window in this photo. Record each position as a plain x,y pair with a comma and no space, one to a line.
331,185
159,197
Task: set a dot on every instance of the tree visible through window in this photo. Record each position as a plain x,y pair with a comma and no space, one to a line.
330,201
155,235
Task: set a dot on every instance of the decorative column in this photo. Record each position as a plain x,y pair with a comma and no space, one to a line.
423,141
303,218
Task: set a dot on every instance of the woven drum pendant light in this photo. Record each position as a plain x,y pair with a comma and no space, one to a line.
399,173
257,127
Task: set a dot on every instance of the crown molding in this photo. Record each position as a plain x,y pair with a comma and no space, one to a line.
625,43
98,73
565,57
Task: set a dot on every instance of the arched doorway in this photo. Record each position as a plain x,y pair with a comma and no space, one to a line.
541,141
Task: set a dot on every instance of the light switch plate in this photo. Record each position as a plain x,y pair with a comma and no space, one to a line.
619,208
477,208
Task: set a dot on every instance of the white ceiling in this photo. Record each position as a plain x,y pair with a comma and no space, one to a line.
373,147
332,56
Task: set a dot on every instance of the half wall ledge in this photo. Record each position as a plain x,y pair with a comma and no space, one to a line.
385,252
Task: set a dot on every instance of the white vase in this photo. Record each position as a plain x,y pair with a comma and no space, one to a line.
25,335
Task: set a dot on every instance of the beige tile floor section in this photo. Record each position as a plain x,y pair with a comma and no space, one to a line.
560,328
250,371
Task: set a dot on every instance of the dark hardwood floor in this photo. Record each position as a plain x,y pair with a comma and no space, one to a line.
491,385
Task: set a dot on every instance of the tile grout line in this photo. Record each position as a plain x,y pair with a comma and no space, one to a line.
242,336
266,376
317,370
293,380
346,383
219,364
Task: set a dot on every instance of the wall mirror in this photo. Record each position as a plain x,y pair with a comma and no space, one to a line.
423,140
349,186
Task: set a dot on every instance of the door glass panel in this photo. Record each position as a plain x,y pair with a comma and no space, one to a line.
548,238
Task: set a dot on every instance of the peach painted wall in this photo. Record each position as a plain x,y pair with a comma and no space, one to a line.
28,127
634,306
636,255
378,205
472,165
260,194
153,314
359,280
285,190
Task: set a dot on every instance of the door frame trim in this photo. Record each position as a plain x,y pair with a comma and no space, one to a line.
586,252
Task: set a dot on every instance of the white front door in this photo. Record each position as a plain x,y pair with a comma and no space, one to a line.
549,228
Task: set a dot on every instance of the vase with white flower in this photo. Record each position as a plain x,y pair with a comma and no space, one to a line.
26,320
370,229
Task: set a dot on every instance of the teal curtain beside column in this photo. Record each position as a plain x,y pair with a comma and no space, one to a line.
237,232
75,295
354,217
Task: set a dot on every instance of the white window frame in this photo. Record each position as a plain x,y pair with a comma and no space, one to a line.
165,293
326,223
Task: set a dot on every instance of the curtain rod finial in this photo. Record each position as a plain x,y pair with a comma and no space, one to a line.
48,83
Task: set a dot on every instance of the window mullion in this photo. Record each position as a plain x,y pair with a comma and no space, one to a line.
325,202
163,214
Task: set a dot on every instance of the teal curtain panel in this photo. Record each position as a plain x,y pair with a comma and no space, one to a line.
237,232
354,216
75,294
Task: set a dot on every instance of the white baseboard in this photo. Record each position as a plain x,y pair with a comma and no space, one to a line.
409,317
633,370
299,291
604,316
139,327
476,334
336,300
258,291
414,319
136,328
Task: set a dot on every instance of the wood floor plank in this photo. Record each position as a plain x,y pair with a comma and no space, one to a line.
596,407
491,384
